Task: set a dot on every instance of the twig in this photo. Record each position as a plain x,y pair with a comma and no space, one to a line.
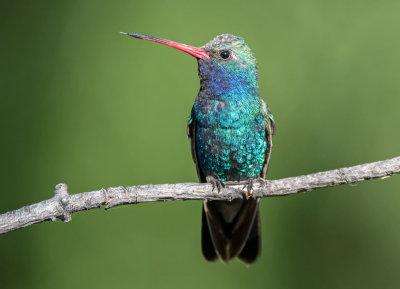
62,204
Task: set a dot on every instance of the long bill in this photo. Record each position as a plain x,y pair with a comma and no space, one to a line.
194,51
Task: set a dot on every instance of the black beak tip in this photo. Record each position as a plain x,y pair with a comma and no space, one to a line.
140,36
131,34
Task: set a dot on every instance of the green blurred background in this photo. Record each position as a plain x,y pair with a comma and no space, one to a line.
82,104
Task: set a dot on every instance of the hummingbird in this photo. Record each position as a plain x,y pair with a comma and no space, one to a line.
231,129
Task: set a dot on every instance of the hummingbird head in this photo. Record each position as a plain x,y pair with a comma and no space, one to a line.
230,61
226,62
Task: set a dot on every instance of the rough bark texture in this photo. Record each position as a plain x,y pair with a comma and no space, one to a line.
62,204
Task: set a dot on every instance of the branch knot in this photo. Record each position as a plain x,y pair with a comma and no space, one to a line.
62,196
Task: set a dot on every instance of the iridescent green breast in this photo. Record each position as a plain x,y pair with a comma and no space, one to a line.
232,154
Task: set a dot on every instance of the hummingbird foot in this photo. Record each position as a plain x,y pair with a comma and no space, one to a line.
215,182
249,188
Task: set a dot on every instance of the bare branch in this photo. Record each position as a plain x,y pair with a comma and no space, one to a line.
62,204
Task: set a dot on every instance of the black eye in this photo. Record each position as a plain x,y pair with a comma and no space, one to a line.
225,54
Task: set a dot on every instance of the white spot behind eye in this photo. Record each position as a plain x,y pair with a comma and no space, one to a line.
234,56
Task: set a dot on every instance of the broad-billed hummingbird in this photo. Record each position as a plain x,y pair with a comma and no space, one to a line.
231,130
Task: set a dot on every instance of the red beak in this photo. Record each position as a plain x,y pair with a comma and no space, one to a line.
194,51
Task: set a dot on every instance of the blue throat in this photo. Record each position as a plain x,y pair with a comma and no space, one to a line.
219,81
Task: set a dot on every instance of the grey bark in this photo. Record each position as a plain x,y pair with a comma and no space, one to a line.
63,204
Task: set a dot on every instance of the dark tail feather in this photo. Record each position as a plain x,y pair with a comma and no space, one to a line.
213,233
225,241
243,227
252,248
207,246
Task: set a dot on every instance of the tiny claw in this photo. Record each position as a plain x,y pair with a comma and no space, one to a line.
215,182
249,188
249,194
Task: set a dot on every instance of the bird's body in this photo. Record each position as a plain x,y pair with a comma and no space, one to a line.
231,130
230,133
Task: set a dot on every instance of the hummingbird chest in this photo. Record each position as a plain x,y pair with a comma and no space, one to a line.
230,139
